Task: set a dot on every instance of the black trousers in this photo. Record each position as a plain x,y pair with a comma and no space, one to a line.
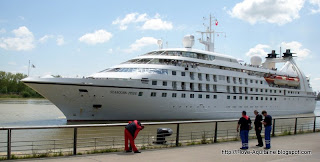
258,134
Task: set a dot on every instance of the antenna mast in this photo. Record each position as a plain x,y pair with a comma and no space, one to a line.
209,34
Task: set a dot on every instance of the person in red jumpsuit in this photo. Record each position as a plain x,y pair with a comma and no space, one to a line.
130,133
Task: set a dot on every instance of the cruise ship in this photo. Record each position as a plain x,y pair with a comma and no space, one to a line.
183,84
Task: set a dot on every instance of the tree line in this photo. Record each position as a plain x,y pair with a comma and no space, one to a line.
10,86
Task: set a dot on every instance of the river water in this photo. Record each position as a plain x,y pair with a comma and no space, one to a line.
41,112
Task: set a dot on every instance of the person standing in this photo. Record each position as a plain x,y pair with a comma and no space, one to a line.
130,133
267,122
258,127
245,125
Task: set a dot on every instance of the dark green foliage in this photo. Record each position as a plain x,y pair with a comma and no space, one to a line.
10,86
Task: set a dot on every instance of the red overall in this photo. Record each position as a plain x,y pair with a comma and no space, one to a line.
128,135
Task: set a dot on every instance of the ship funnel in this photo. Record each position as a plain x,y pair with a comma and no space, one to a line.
188,41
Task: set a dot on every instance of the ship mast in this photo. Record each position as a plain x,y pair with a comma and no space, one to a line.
209,35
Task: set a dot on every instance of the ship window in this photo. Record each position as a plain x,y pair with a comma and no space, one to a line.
280,91
164,94
246,97
140,94
234,97
251,81
261,98
266,98
257,98
240,97
270,90
256,89
214,78
270,98
275,91
275,99
215,96
83,90
153,94
199,95
97,106
183,95
261,90
154,82
174,95
200,87
228,97
200,76
266,90
251,89
164,83
251,98
191,95
174,73
261,82
221,77
183,73
256,81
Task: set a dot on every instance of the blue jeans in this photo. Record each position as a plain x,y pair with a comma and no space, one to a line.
267,133
244,135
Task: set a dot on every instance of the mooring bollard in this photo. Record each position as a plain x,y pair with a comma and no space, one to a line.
314,124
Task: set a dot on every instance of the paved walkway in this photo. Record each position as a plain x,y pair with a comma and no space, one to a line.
304,143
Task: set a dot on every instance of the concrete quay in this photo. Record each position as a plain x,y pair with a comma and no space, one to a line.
305,147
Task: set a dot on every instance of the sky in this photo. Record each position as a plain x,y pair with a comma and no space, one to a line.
80,37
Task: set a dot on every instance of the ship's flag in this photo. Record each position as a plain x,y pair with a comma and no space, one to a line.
33,66
216,22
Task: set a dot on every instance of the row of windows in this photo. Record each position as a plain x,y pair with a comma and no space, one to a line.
183,95
183,54
252,98
139,70
208,87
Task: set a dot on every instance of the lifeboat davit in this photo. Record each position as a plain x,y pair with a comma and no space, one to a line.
293,82
281,80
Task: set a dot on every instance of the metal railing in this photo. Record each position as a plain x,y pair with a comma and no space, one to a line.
75,139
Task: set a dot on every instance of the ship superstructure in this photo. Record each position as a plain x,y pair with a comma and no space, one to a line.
182,84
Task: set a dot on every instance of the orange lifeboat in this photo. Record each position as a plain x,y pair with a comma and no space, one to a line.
280,80
270,79
293,82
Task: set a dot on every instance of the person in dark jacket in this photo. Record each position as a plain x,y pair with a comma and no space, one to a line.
245,125
258,127
130,133
267,122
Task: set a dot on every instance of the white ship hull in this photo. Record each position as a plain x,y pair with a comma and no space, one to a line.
122,102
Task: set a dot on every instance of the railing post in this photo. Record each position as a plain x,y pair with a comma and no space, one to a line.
177,135
215,133
295,126
273,127
75,133
314,124
9,144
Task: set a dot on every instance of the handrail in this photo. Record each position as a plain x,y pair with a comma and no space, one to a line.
124,124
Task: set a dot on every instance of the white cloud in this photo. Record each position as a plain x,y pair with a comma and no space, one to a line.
110,50
23,40
140,43
2,31
316,3
99,36
155,23
272,11
316,79
296,47
45,38
258,50
60,40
